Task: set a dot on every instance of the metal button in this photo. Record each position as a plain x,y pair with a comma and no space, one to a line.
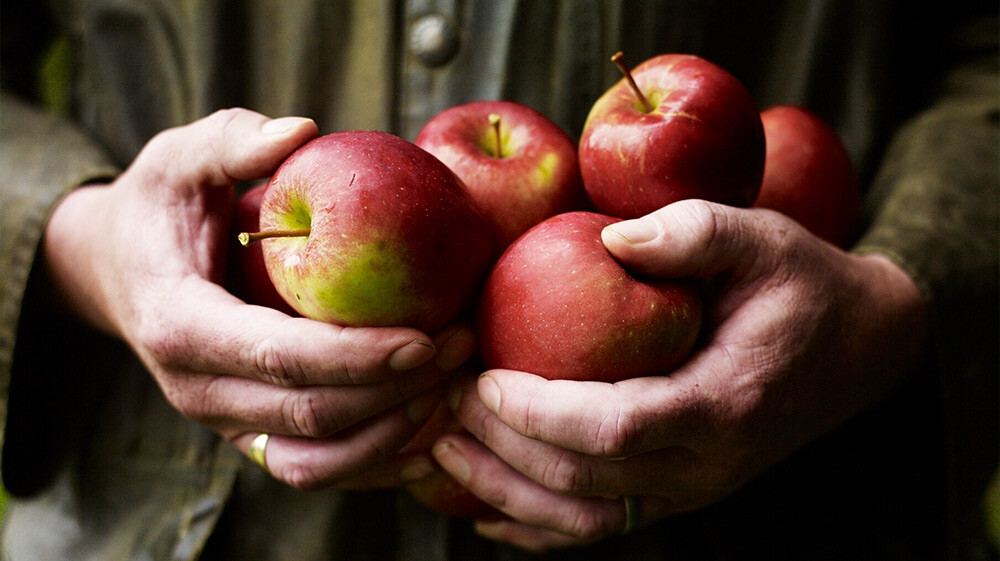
433,39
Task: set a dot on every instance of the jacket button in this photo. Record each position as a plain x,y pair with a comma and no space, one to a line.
433,39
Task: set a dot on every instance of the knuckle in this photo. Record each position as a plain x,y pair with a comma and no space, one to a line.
531,420
164,141
305,414
195,148
224,116
300,475
702,221
354,351
587,524
275,365
620,433
569,475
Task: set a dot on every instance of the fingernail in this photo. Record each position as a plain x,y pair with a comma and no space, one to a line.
452,460
421,407
489,393
456,350
490,529
417,467
283,125
454,397
411,355
635,231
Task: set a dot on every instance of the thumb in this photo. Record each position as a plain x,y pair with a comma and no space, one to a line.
226,147
692,238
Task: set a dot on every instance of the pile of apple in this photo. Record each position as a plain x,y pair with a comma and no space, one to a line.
495,212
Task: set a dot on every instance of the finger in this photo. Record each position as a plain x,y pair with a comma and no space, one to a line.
538,540
673,472
309,463
210,331
695,238
596,418
498,484
226,147
231,404
531,538
396,471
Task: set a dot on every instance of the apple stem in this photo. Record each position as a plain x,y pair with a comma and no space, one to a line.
495,122
247,238
618,59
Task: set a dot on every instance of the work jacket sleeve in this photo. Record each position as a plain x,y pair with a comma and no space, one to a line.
43,158
934,209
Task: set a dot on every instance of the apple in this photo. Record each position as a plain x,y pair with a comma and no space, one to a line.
363,228
439,491
676,127
520,167
557,304
251,281
808,174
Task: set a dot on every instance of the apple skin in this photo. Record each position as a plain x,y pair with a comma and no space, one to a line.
703,139
396,240
557,304
439,491
251,281
808,174
535,176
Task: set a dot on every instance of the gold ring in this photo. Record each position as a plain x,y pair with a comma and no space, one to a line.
631,513
257,448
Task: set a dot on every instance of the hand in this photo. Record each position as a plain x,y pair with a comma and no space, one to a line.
142,259
799,337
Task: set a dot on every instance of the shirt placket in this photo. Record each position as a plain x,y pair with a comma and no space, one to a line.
442,64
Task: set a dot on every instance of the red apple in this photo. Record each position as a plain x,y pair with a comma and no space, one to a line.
379,233
520,167
686,130
808,174
557,304
439,491
252,283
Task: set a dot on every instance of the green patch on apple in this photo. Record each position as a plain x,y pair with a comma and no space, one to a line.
363,290
546,170
297,215
388,255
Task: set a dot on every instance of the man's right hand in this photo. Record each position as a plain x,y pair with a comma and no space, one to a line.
142,258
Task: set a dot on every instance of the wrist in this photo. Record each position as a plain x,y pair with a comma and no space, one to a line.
902,312
70,256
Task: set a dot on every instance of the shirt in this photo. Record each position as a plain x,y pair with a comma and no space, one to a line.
100,465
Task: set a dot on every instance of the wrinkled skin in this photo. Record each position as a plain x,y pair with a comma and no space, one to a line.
800,337
142,258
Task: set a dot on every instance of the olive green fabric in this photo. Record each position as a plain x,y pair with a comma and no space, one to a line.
102,468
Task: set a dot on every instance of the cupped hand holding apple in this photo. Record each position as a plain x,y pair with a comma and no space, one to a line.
558,304
801,336
143,258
